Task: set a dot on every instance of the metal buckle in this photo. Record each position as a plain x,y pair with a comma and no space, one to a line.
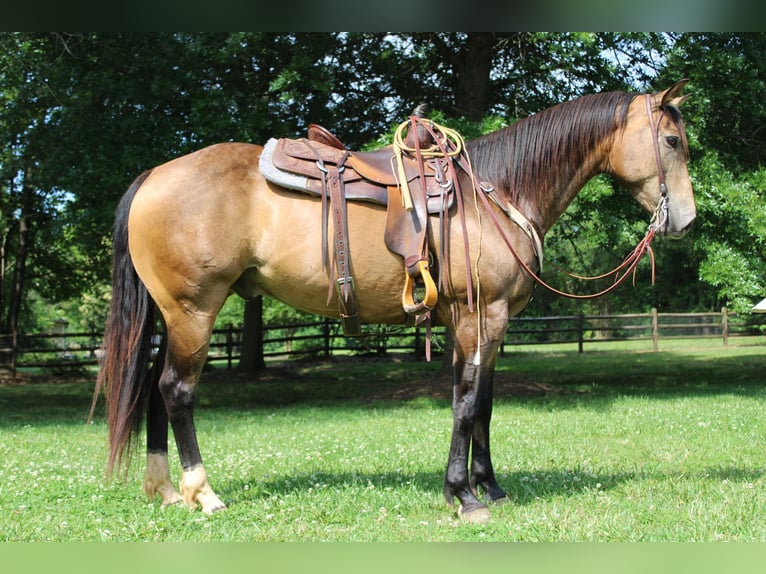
341,281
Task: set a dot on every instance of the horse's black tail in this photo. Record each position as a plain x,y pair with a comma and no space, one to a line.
124,376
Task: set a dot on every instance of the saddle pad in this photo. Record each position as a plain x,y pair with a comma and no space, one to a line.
355,190
275,175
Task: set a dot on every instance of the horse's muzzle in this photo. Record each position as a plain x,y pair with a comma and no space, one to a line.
676,233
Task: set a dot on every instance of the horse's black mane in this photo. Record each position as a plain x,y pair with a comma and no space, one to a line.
517,159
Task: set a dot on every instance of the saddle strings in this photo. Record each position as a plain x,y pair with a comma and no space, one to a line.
448,144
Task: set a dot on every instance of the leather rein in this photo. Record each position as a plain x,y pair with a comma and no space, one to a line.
658,222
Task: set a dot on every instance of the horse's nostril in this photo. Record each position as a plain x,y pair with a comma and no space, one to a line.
678,233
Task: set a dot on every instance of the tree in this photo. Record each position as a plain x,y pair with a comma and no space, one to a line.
727,127
83,114
29,202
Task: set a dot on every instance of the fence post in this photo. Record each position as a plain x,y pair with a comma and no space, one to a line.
8,353
326,334
229,345
655,329
725,326
580,333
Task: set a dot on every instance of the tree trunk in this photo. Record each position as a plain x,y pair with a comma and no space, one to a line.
251,355
19,271
3,267
472,68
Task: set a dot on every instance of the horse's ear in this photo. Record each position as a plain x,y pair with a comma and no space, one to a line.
673,94
678,101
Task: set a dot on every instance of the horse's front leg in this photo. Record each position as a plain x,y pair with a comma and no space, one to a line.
473,366
482,472
466,386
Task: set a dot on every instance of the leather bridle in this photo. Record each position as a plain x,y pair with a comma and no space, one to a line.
660,217
658,223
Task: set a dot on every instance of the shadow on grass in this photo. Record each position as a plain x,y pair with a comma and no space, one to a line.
45,403
563,381
523,487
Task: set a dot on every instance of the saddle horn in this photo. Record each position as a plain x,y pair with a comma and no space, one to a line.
420,138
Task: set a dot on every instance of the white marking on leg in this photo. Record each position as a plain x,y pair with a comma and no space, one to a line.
157,479
196,489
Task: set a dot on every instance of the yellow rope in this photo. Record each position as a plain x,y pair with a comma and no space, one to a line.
433,151
400,148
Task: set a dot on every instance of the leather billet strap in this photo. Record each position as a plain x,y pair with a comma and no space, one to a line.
332,179
347,304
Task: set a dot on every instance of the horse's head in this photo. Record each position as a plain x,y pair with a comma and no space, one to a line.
649,158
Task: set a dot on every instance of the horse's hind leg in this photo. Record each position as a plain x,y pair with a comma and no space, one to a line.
157,480
187,345
157,477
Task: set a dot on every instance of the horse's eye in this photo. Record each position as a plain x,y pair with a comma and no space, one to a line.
672,141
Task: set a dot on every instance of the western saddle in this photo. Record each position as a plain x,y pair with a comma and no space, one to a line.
413,177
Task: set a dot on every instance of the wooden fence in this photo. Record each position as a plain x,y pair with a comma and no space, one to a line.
324,338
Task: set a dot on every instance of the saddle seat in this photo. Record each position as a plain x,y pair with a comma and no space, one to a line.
373,165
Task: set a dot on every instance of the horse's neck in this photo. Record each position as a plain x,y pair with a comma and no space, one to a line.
562,186
540,176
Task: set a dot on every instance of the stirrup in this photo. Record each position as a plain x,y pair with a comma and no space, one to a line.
431,296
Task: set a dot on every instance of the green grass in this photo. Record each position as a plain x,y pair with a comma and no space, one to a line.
625,445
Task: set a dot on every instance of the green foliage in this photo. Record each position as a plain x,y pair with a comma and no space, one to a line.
728,82
82,114
732,233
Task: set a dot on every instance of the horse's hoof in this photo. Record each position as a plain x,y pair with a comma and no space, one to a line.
171,499
500,500
213,508
476,516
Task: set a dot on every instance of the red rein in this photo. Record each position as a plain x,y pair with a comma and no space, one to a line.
622,272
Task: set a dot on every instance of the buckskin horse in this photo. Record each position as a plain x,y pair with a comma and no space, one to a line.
190,232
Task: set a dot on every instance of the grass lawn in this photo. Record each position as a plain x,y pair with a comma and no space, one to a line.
616,444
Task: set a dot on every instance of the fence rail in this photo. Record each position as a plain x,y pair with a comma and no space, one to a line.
324,338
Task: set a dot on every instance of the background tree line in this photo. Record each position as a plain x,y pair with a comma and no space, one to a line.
82,114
